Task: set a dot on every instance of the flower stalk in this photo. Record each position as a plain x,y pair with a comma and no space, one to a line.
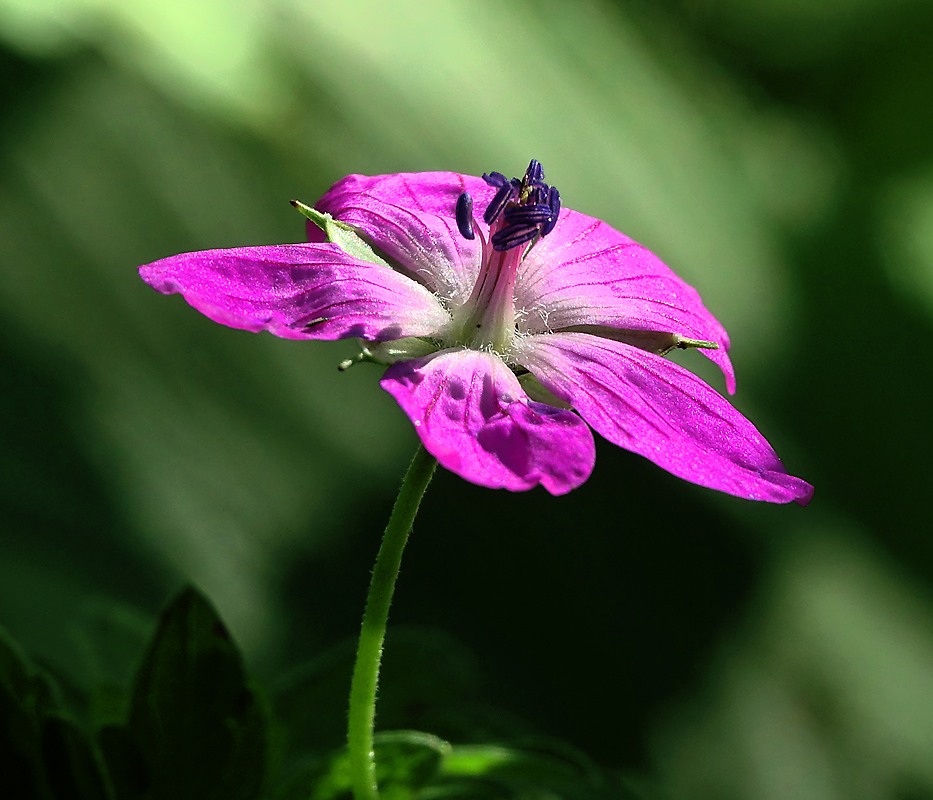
362,713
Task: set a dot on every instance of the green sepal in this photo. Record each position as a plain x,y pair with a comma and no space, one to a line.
695,344
339,233
386,353
200,727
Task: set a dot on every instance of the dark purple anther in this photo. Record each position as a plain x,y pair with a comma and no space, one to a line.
528,207
554,205
527,215
513,236
537,195
496,179
494,209
465,215
534,173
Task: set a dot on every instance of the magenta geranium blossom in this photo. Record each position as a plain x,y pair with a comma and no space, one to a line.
509,334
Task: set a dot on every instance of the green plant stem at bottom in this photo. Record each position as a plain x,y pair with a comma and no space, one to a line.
362,713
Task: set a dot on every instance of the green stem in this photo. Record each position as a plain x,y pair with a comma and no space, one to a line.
362,715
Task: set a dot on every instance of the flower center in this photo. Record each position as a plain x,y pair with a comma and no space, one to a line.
521,211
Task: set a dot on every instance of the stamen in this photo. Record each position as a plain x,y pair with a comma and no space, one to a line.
527,215
537,195
495,207
553,202
496,179
528,207
513,236
534,173
465,215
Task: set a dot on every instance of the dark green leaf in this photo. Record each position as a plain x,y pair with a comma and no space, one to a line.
311,703
200,727
20,678
111,639
26,696
428,682
467,790
408,758
541,769
511,765
71,765
405,762
125,765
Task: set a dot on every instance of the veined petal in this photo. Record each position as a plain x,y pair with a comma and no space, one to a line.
653,407
411,218
473,416
587,273
300,291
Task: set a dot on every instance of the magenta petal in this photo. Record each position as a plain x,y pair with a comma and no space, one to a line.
587,273
410,218
299,291
473,416
651,406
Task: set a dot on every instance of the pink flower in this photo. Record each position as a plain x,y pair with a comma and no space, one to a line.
509,334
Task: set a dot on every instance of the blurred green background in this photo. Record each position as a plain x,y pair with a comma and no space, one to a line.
778,154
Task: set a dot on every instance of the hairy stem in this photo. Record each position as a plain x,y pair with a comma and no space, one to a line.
362,714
